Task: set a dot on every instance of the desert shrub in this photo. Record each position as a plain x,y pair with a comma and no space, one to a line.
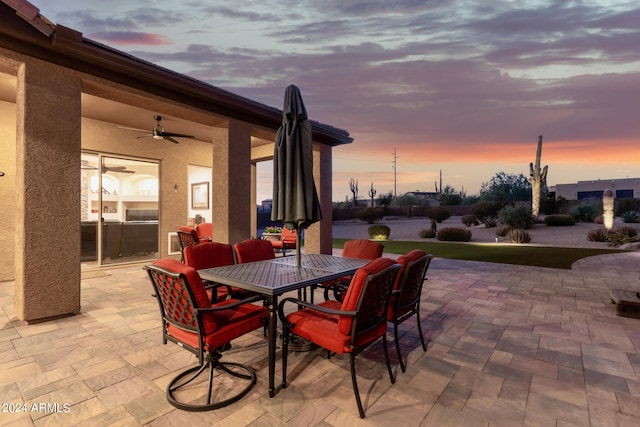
427,233
379,232
370,215
559,220
502,230
490,221
630,217
584,212
438,213
516,216
626,205
625,231
485,209
518,235
469,220
454,234
597,235
621,235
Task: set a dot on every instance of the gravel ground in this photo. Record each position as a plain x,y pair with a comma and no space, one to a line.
574,236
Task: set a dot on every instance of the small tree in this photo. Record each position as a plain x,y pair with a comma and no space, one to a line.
506,189
385,199
449,196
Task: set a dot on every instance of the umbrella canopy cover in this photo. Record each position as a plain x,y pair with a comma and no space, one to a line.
295,199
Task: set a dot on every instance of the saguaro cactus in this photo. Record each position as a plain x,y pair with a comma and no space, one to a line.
538,180
372,194
353,185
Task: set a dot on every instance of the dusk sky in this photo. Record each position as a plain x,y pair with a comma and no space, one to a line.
462,86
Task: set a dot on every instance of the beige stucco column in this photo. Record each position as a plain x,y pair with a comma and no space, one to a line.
318,237
231,183
47,244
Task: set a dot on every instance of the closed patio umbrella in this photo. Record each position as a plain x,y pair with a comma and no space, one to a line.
295,199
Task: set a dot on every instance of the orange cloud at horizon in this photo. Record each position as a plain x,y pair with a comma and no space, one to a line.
609,151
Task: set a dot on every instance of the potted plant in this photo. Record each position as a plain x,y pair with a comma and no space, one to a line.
272,233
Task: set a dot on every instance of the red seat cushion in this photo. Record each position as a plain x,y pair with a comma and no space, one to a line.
322,329
233,323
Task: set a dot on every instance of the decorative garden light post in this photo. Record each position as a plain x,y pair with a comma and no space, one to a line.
607,208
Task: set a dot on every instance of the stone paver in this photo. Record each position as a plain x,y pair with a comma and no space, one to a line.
507,345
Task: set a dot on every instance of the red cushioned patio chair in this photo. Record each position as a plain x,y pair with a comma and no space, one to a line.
349,326
405,297
192,322
287,241
357,248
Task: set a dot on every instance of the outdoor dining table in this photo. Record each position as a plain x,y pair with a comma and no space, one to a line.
277,276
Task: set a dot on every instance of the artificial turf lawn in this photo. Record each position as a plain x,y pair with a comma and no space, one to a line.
539,256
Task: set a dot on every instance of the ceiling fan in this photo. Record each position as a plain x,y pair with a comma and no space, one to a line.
158,132
105,169
116,169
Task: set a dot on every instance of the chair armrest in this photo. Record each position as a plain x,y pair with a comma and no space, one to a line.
302,303
223,306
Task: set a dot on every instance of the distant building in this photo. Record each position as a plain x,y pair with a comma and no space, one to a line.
266,205
624,188
425,197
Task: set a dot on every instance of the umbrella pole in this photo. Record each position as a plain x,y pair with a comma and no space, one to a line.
298,247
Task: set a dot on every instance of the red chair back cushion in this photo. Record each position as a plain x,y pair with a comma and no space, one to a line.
176,300
362,248
404,261
354,293
191,231
254,250
205,229
288,236
208,255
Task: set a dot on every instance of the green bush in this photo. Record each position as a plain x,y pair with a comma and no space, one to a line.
516,216
518,235
559,220
630,217
438,213
502,230
626,205
427,233
379,232
485,209
598,235
370,215
469,220
454,234
584,212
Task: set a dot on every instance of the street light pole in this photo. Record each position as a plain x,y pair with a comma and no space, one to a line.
395,170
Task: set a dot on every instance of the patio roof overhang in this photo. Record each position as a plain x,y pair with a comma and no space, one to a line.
33,35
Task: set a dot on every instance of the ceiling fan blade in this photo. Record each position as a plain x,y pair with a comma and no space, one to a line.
169,138
134,129
176,135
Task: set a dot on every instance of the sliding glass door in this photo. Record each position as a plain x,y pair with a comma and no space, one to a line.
120,209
